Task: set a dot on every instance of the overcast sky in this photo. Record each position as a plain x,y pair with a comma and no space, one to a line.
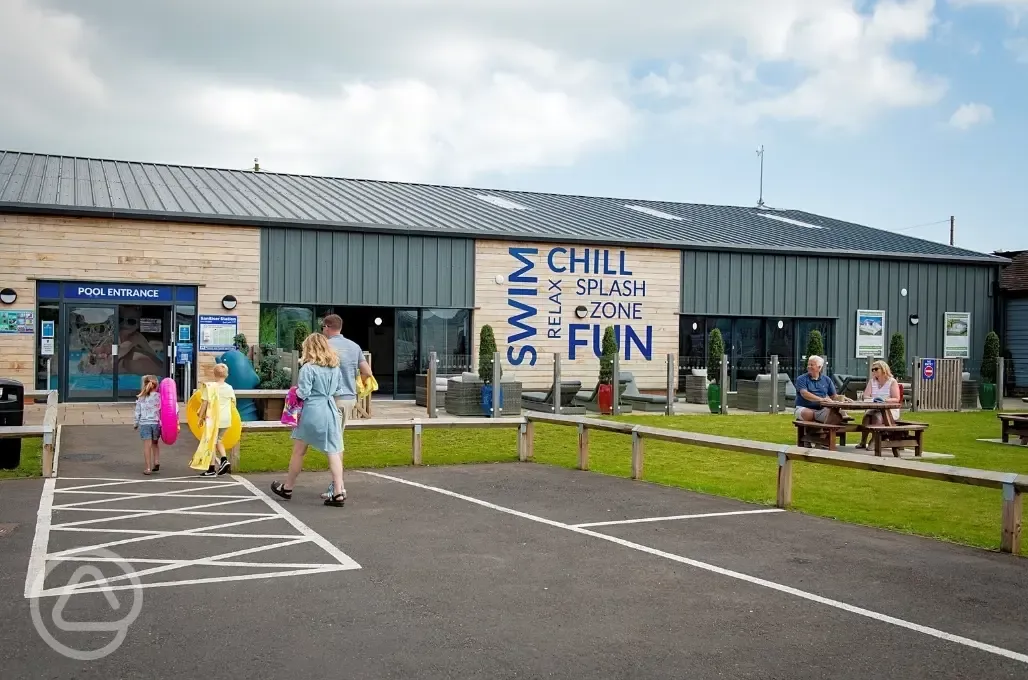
892,113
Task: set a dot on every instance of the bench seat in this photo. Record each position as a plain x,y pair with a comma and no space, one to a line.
821,434
902,435
1014,424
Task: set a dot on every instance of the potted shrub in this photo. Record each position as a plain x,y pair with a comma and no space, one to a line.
815,344
987,388
608,349
715,349
486,349
897,356
273,377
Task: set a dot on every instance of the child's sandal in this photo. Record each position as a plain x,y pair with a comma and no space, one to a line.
279,490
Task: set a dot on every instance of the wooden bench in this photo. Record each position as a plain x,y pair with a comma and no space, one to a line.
1016,424
902,435
820,434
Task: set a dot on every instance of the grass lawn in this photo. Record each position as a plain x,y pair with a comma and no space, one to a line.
952,512
31,460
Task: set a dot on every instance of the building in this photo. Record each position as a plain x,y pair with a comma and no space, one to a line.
1013,284
123,268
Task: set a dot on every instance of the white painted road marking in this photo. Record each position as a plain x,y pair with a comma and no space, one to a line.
762,511
885,618
40,561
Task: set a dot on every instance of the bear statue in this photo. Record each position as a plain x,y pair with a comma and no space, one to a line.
241,376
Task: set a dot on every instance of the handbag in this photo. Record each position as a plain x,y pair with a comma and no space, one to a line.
291,410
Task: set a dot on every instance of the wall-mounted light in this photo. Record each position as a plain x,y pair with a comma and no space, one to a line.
378,321
914,319
695,325
903,292
229,302
781,324
499,279
581,311
8,296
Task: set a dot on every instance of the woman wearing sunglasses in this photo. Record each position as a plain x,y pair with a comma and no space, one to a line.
881,387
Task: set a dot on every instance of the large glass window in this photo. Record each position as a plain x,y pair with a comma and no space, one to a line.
445,332
289,320
780,341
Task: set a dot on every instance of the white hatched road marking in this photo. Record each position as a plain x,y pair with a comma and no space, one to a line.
41,561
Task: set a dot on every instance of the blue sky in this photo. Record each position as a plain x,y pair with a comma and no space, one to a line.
905,169
656,99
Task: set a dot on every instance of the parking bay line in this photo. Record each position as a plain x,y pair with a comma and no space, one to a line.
641,520
860,611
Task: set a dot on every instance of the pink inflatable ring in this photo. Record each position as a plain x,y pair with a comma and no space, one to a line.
169,411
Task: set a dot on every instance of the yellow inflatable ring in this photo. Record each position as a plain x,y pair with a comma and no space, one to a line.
232,435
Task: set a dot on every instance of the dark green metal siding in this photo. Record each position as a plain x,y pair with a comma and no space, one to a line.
734,284
359,269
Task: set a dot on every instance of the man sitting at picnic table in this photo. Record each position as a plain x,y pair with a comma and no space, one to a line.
812,388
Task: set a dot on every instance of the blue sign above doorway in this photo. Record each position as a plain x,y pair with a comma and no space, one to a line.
116,291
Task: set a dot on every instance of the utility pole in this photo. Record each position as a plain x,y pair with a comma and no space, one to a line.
951,229
760,200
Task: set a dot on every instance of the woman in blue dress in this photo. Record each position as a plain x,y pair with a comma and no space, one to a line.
318,384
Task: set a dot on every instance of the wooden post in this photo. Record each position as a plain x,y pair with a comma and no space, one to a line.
497,382
557,380
583,447
416,442
616,383
724,384
49,434
233,457
784,499
430,393
529,440
522,442
1010,541
774,384
637,454
671,383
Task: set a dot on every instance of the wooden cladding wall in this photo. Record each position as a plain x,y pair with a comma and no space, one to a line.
528,293
311,266
222,260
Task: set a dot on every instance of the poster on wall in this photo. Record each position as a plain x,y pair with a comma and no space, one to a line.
870,333
17,322
217,333
956,335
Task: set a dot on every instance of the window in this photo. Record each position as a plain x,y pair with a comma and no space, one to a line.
445,332
289,320
790,221
501,202
655,213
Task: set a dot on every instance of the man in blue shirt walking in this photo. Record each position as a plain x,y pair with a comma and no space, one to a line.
812,388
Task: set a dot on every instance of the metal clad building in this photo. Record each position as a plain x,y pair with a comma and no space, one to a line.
1014,287
176,259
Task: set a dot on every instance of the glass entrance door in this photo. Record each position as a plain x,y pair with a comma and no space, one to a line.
407,334
91,342
144,345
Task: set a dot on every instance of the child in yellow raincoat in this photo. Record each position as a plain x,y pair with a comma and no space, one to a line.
217,414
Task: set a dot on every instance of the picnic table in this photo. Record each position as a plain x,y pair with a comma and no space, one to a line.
1014,424
891,434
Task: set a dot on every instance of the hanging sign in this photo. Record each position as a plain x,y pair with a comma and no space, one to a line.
870,333
956,335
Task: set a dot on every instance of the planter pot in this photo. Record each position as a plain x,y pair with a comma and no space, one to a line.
273,409
605,396
987,395
714,397
487,399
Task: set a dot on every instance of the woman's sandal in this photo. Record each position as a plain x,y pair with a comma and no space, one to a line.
279,490
336,501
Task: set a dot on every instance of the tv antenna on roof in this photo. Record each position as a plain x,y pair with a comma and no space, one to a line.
760,200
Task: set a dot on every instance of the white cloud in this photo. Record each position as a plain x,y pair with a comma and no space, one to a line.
441,89
968,115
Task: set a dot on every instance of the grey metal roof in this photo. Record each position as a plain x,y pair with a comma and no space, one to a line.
38,183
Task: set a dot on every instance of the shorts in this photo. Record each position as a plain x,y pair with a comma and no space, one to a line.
820,415
150,431
345,406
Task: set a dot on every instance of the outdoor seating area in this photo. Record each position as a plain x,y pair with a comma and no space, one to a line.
896,435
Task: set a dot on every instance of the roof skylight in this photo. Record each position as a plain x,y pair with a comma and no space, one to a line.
502,202
655,213
790,221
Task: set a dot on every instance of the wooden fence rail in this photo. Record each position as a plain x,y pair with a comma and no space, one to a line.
1011,484
49,431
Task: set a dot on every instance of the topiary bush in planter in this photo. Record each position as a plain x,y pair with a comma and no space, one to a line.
300,333
987,388
815,344
486,349
715,350
898,356
608,349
